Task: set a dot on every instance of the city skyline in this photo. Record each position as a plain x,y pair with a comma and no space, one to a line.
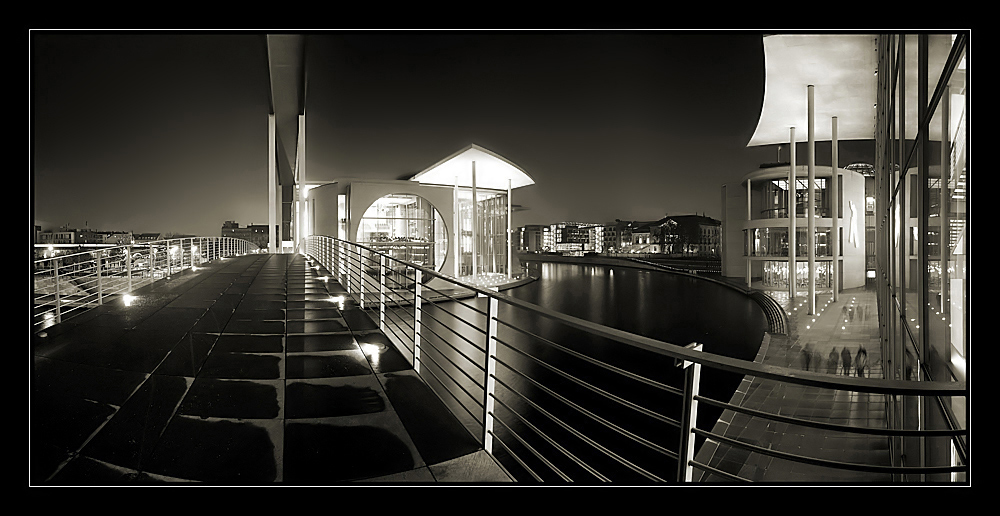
164,132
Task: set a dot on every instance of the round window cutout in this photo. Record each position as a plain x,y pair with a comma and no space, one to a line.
406,227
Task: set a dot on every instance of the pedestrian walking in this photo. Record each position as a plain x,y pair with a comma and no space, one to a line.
806,356
832,360
861,361
845,356
850,314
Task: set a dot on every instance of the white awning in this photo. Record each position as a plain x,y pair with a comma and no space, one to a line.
841,67
492,171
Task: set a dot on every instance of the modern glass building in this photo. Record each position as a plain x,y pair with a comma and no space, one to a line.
910,210
431,218
922,228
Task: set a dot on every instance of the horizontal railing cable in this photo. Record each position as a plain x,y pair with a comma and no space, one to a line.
514,455
599,419
831,426
597,390
869,468
547,439
471,378
593,361
598,446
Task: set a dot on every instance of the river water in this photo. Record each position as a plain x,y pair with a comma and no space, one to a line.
600,435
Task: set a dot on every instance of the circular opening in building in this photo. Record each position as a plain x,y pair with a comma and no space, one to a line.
406,227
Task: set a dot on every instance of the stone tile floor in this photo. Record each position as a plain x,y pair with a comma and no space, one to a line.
813,343
241,373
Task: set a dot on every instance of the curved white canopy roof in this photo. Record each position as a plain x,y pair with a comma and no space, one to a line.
842,69
492,170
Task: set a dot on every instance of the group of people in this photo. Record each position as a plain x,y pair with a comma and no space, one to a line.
843,362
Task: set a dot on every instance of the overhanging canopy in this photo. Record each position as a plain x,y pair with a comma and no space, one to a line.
842,69
492,170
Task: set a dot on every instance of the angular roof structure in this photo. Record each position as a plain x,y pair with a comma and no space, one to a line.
492,170
842,69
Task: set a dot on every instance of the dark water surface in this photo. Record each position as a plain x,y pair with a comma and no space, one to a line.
598,434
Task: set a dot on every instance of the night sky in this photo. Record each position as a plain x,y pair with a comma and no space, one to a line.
167,132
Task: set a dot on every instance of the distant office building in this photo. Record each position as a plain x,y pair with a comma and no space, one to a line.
534,238
256,233
688,235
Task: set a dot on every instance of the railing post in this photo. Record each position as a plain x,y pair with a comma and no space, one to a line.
491,366
381,293
689,415
361,281
100,299
55,275
169,259
128,265
416,319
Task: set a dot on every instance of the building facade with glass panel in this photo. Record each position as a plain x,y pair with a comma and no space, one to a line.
909,93
755,214
430,219
922,227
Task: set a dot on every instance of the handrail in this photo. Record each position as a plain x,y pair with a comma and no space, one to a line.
360,267
67,285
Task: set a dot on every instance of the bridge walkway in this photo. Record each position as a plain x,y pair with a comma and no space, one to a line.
242,372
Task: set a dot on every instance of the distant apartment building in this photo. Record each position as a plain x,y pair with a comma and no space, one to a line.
256,233
534,238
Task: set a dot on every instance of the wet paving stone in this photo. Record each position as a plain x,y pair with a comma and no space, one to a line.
253,326
332,364
234,399
243,366
188,356
134,430
327,451
326,326
317,398
218,451
329,342
249,344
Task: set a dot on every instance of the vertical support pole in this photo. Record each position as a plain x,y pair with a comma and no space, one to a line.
55,275
834,191
417,301
457,235
128,266
475,224
944,232
169,259
491,367
272,187
100,290
510,258
793,195
361,280
381,293
689,415
811,201
750,244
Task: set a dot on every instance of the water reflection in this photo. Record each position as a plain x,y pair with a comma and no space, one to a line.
532,392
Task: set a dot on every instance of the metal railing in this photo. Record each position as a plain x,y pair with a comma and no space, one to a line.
67,285
625,411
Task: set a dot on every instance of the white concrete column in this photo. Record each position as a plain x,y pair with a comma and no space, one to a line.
273,204
510,259
749,237
811,201
833,190
457,233
475,225
792,246
945,198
